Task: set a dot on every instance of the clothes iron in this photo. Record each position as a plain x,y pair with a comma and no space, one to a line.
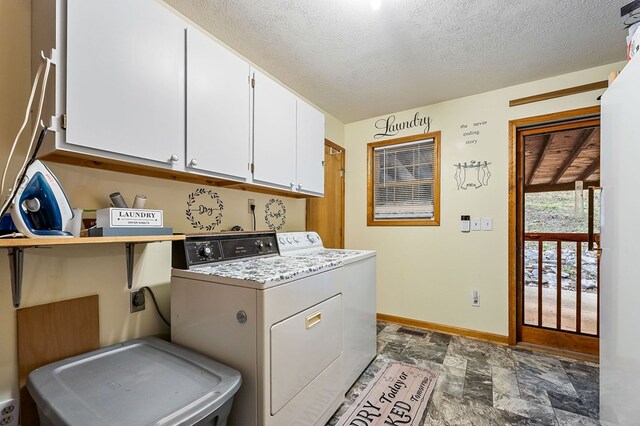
40,207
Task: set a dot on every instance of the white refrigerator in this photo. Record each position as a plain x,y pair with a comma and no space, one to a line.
620,242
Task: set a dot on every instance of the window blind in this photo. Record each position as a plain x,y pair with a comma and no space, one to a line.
404,180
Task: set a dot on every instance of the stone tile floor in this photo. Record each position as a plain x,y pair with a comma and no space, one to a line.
481,383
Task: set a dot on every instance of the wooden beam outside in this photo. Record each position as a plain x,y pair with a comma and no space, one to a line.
590,169
575,152
546,142
560,93
569,186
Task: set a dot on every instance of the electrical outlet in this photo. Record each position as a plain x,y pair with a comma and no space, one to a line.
9,413
252,202
475,224
475,298
137,301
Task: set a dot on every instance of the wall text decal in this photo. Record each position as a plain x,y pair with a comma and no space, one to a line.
474,174
204,205
275,214
472,134
389,127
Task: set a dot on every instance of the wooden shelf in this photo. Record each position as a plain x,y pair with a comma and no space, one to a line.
48,242
16,247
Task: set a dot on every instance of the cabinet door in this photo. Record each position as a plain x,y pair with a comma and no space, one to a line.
310,149
274,133
218,100
125,78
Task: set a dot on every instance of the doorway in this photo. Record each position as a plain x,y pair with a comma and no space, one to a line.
326,215
554,278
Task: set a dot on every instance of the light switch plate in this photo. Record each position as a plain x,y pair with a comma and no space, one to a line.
475,224
487,224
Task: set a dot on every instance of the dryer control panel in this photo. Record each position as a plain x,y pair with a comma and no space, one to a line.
200,249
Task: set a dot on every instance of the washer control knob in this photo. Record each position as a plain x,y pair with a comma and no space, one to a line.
296,239
311,238
259,245
289,240
206,251
282,240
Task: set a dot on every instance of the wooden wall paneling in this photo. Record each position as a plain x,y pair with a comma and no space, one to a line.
543,151
51,332
577,149
595,165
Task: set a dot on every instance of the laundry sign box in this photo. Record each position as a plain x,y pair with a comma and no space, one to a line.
126,218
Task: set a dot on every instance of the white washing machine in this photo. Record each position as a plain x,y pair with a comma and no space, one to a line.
278,320
357,278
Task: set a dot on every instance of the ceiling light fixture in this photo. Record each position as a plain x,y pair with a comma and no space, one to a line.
375,4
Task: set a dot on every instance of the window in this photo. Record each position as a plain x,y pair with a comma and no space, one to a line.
403,184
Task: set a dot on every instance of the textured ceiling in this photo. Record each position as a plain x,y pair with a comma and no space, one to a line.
357,63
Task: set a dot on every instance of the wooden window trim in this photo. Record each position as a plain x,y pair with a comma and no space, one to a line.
435,221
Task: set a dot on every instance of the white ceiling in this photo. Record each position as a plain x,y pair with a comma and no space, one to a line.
357,63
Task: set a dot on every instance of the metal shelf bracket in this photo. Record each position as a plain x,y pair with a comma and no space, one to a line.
17,247
16,256
16,260
129,247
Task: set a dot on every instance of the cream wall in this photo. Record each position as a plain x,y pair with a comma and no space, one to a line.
53,274
428,273
334,130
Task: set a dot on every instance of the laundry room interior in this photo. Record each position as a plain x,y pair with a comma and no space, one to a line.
356,212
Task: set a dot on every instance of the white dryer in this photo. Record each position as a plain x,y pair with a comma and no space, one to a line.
278,320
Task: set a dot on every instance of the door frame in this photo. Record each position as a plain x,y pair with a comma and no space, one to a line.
515,210
330,144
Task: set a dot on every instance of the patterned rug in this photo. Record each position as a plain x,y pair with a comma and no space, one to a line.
397,395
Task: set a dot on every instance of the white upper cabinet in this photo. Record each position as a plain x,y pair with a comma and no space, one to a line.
125,79
274,133
310,149
218,113
137,84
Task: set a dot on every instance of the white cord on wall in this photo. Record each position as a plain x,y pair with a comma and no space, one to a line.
46,65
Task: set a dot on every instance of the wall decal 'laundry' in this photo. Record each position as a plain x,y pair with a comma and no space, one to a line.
473,174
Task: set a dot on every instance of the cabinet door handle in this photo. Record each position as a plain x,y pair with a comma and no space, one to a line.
174,157
313,319
299,186
193,162
292,185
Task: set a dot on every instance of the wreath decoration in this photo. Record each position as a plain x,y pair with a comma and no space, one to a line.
275,214
203,210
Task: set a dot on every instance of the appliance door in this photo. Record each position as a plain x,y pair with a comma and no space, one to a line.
302,346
